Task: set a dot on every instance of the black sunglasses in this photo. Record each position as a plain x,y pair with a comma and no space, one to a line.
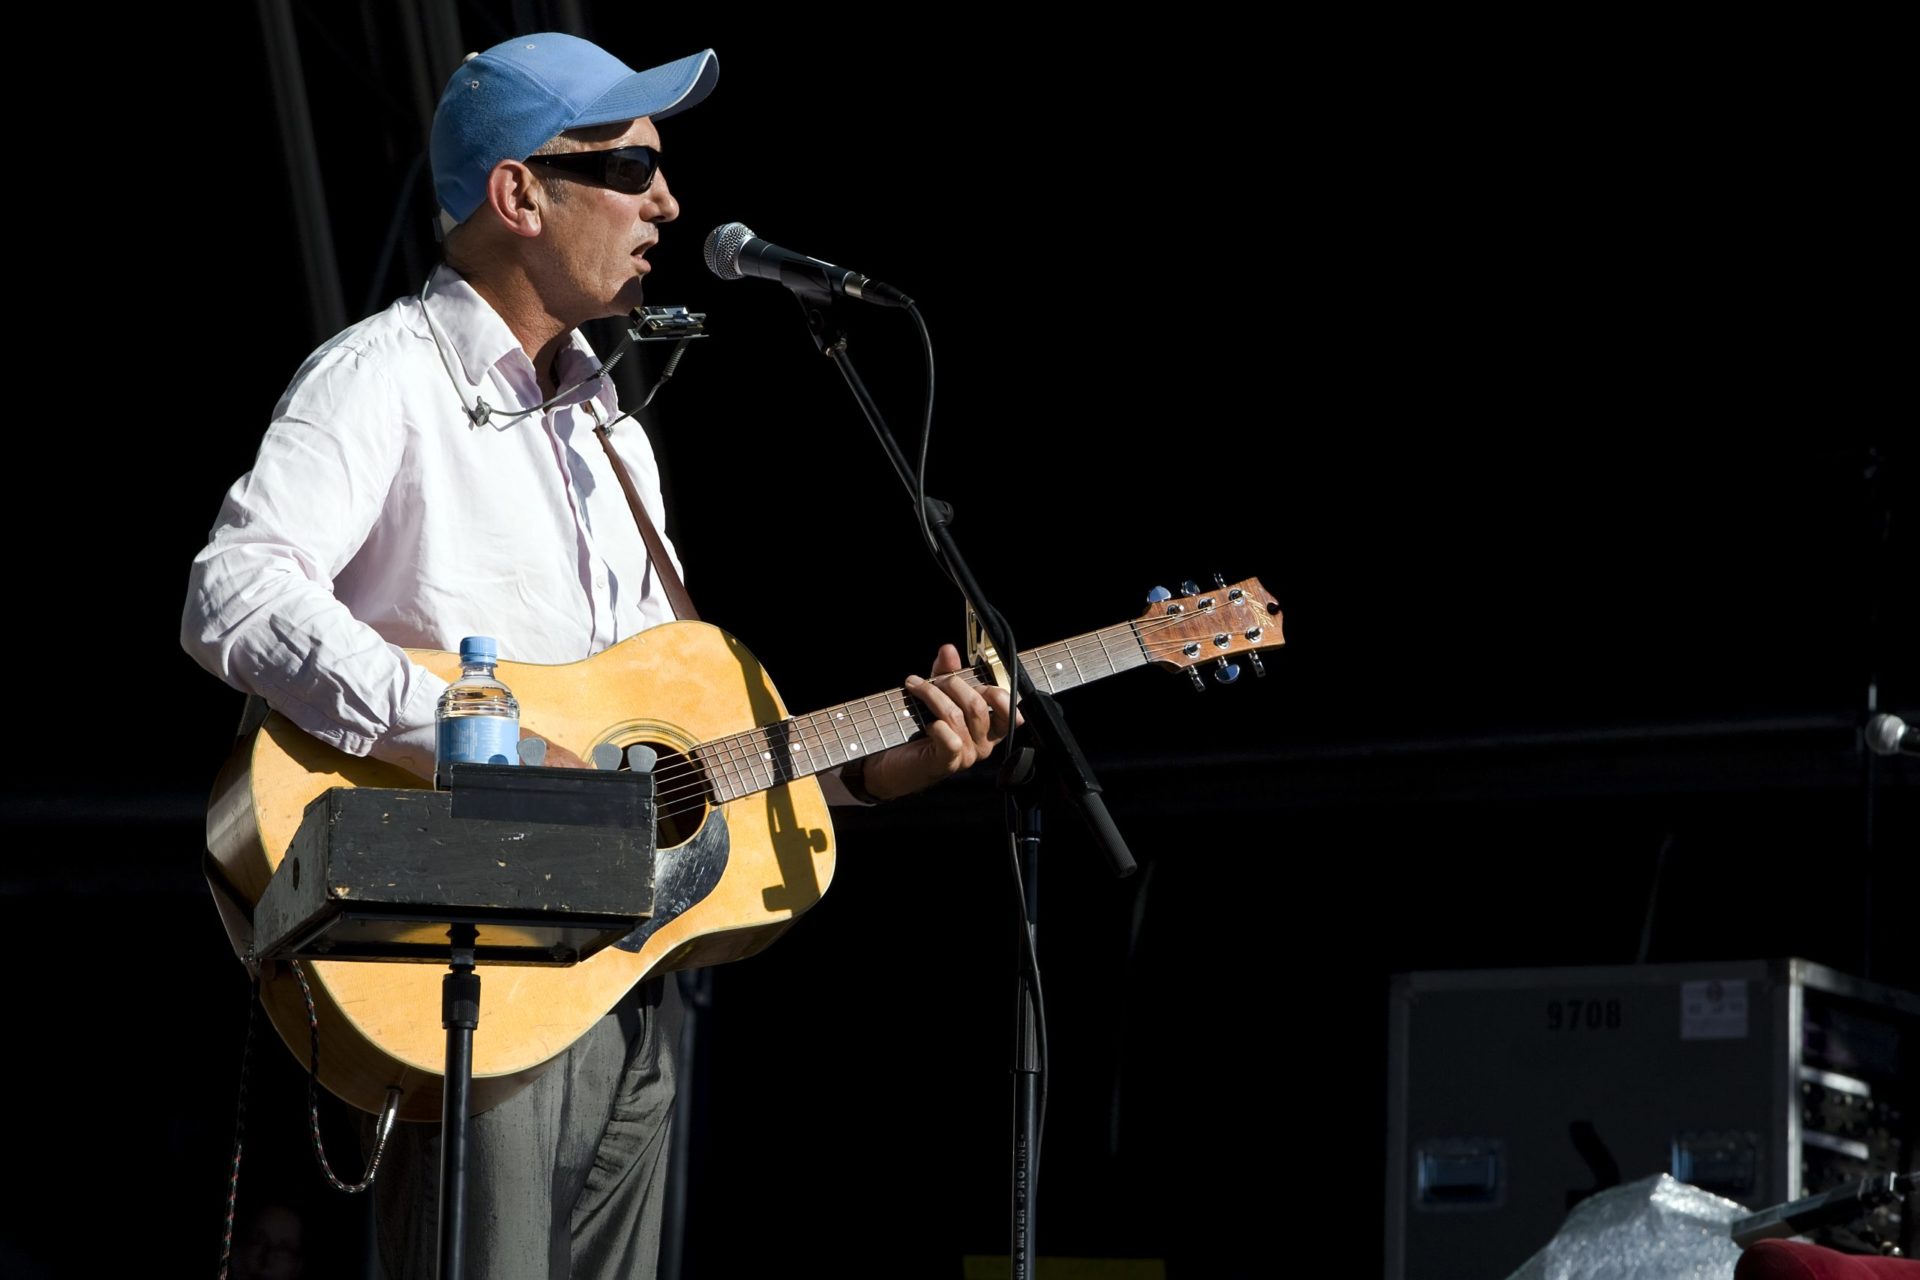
625,169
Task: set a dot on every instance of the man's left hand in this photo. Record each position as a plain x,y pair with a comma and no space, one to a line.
965,722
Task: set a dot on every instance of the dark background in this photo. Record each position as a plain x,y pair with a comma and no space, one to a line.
1543,376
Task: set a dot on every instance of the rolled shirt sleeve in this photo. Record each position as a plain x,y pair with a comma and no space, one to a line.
261,612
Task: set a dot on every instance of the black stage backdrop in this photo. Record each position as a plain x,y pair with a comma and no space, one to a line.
1537,373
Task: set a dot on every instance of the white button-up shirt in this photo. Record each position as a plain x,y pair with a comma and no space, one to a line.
376,517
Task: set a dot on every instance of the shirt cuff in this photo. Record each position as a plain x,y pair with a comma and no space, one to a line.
837,793
412,742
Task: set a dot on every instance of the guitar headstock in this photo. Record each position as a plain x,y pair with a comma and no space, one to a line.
1211,627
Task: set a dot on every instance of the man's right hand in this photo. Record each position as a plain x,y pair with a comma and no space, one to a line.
558,757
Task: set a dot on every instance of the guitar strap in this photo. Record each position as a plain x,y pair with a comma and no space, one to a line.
677,598
853,775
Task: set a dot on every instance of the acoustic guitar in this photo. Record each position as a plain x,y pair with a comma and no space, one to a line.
744,841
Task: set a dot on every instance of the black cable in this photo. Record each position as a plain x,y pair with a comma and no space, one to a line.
239,1129
1653,899
1030,961
313,1101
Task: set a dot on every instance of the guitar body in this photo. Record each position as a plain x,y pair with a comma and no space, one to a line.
732,877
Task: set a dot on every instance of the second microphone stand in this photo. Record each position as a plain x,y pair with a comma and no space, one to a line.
1050,757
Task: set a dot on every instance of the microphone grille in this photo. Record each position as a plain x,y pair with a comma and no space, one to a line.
723,250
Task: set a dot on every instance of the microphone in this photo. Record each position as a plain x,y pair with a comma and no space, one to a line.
1890,735
734,253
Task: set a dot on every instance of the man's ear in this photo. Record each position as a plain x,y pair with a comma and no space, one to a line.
513,198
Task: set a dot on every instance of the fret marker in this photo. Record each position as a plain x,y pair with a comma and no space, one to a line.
794,747
766,755
853,748
1059,666
839,715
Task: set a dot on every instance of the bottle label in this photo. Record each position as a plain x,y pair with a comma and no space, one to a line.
479,740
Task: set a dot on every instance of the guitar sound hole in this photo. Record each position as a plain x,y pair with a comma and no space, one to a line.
680,793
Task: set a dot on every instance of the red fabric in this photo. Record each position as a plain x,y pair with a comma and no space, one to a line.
1790,1260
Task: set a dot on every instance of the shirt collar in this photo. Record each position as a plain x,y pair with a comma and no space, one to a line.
482,340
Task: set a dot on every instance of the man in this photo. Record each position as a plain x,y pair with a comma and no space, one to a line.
434,472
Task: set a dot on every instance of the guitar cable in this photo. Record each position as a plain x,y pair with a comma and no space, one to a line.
387,1113
382,1132
239,1130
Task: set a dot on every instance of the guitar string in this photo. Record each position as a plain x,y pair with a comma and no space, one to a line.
740,758
742,753
738,754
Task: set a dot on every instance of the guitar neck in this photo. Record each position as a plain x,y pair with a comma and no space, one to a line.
744,763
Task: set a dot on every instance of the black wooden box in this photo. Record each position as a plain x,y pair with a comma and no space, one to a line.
550,864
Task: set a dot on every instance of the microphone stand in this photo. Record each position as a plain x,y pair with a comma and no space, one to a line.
1049,755
1879,523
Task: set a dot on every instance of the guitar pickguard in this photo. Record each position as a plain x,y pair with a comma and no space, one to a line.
682,876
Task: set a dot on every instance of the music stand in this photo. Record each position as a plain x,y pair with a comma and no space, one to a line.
517,864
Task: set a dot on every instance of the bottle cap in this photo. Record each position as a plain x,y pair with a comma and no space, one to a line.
479,649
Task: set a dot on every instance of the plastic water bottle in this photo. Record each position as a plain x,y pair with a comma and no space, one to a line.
478,719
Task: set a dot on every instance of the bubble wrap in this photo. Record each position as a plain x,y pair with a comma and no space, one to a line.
1651,1229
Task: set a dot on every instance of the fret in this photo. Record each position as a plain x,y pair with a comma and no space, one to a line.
757,778
717,774
744,763
729,762
1072,663
892,716
865,730
1106,654
1046,661
739,767
779,752
826,740
716,780
834,742
804,733
918,714
759,746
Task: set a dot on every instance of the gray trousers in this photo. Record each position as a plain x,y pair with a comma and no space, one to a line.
565,1179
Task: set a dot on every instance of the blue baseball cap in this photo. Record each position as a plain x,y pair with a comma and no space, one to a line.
504,104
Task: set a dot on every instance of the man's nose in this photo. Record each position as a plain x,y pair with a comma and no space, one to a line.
664,208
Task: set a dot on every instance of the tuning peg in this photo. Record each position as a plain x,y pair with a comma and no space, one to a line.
1199,685
1158,594
1189,588
1225,672
1220,580
1259,667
